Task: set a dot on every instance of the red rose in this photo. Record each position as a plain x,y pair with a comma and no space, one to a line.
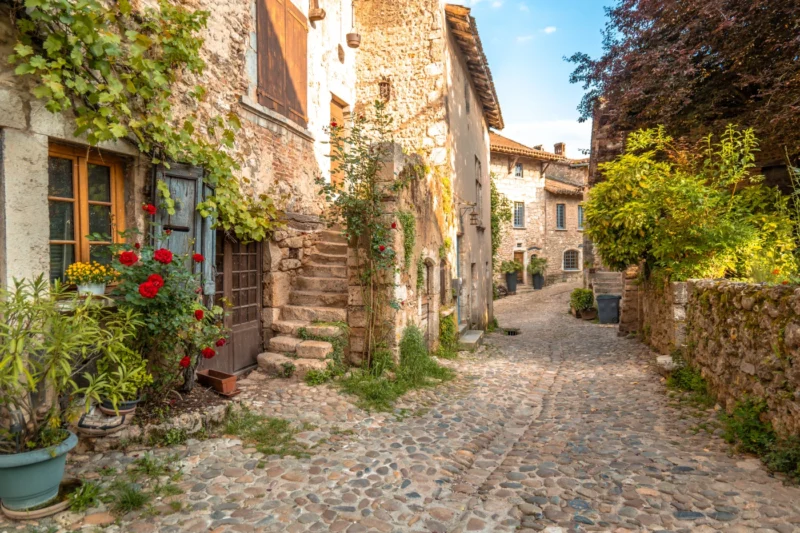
220,343
128,258
185,362
168,231
148,289
394,225
162,255
156,280
198,258
333,124
785,282
208,353
381,247
149,208
137,245
198,314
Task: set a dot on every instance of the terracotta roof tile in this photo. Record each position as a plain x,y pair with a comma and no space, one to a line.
504,145
561,188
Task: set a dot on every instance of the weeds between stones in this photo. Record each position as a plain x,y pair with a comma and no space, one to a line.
270,436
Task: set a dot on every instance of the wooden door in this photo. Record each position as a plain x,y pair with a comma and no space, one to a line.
238,291
520,258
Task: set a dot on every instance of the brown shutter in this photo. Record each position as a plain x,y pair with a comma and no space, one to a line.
272,54
296,63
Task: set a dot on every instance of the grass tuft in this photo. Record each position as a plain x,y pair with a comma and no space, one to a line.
271,436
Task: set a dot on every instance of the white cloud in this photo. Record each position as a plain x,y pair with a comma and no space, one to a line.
524,8
497,3
524,38
549,29
575,134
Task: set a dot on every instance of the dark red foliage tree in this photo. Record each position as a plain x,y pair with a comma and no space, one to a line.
697,65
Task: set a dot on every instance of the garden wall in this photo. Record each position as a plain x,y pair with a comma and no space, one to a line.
744,338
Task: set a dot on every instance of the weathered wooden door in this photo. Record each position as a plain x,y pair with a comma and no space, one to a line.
520,258
238,291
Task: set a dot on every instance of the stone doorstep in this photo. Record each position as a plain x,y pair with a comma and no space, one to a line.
332,248
273,364
310,314
321,284
318,298
470,340
288,327
314,349
283,344
316,270
329,259
332,237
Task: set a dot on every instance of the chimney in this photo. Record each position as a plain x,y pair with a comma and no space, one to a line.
538,147
560,149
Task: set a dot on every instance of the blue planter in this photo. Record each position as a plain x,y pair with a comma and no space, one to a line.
31,479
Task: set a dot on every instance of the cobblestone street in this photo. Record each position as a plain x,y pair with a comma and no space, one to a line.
565,427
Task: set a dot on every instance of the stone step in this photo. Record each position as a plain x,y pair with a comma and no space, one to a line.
318,298
277,364
611,276
462,328
470,340
283,344
311,314
315,270
292,328
332,248
332,236
314,349
329,259
306,283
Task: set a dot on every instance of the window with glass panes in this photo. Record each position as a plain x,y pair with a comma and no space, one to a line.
85,207
571,260
518,170
580,217
519,215
561,216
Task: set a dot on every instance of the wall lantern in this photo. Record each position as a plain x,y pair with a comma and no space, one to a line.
474,218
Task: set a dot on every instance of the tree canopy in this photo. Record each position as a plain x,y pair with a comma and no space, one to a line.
697,65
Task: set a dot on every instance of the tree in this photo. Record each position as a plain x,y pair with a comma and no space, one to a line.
697,65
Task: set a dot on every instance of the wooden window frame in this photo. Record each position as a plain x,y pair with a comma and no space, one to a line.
563,209
580,217
521,224
81,158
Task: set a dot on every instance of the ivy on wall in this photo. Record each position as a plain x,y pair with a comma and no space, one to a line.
115,69
420,274
409,226
501,215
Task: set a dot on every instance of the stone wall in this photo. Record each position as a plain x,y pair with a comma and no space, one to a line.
557,241
662,314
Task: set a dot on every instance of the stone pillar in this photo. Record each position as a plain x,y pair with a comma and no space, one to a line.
629,306
24,227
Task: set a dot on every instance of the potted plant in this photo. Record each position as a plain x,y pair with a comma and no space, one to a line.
46,355
91,278
510,269
581,303
536,268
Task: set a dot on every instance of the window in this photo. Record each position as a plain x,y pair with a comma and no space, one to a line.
518,170
561,216
466,95
478,187
580,217
519,215
282,59
85,198
571,260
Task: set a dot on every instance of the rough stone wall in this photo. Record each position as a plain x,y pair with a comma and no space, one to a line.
558,241
662,315
745,339
629,305
530,190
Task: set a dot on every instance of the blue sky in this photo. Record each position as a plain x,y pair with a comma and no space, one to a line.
525,41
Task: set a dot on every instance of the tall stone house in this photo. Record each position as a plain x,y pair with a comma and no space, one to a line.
546,191
285,102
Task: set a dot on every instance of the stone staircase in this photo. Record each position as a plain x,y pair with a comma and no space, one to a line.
319,295
607,283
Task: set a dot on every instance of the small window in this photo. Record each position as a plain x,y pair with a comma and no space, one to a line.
571,260
478,188
85,207
466,95
518,170
580,217
519,215
561,216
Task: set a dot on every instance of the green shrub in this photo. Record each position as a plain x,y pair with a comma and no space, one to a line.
537,265
448,337
687,379
271,436
745,429
84,497
784,456
581,299
509,267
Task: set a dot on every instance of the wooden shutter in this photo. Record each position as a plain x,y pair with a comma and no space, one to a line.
297,63
209,250
282,59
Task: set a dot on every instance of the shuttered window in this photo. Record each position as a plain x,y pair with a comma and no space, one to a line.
282,59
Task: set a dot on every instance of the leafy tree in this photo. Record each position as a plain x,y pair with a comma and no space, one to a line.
697,65
690,213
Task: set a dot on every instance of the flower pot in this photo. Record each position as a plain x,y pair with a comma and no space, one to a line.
511,282
353,40
94,289
31,479
221,382
123,408
588,314
538,281
61,503
575,312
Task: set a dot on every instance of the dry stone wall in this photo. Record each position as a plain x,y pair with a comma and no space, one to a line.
662,314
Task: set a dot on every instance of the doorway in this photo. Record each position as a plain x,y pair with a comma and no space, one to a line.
238,291
520,258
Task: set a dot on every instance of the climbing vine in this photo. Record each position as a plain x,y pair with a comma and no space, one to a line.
420,274
501,216
115,69
409,226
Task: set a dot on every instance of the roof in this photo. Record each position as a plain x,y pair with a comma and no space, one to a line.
465,31
504,145
561,188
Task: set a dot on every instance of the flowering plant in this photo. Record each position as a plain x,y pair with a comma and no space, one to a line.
163,289
94,272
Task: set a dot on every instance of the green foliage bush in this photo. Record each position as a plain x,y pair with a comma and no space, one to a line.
537,265
409,226
509,267
581,299
448,337
501,215
691,213
746,430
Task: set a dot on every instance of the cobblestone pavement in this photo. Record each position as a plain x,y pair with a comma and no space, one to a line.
565,427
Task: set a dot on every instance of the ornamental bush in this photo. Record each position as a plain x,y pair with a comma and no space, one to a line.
581,299
691,213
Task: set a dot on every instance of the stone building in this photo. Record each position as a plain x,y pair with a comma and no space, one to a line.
546,191
284,101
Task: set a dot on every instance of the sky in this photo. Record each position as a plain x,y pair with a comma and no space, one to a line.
525,42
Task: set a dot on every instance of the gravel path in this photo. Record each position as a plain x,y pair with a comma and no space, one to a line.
565,427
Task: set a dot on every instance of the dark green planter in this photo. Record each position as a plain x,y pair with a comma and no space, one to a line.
511,282
31,479
538,281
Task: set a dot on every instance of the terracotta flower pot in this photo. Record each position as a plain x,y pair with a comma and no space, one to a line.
221,382
589,314
353,40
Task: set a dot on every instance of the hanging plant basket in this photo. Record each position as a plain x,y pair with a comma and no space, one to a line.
353,40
